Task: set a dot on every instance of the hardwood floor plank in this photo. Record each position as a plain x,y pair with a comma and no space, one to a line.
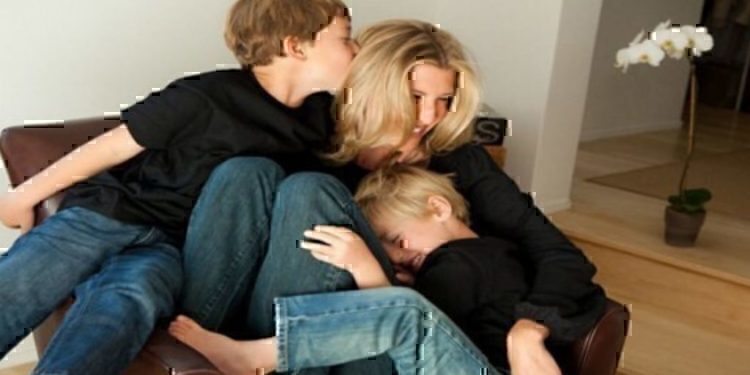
24,369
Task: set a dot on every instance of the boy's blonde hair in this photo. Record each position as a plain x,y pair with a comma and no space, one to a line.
400,192
377,95
255,29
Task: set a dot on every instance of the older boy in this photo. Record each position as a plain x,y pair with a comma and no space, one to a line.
115,240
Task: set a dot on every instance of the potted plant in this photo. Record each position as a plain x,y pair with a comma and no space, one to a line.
685,214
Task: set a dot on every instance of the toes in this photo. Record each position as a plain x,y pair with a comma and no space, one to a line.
189,323
174,330
178,330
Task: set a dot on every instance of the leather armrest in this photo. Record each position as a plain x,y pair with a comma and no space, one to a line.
27,150
599,352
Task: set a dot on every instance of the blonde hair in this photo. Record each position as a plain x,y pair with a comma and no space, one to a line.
377,94
402,191
255,29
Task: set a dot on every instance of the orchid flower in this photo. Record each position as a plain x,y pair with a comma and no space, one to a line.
670,39
699,40
647,51
624,56
664,40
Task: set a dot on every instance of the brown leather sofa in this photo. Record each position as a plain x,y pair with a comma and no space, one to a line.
28,149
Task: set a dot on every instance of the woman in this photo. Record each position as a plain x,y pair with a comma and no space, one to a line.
411,91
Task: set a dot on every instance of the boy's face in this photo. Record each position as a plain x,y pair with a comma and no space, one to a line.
329,57
408,242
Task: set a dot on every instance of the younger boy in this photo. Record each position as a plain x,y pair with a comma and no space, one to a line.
477,282
115,239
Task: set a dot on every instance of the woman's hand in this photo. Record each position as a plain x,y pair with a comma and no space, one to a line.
15,214
526,351
342,248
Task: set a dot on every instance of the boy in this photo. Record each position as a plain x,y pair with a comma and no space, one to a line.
115,239
423,224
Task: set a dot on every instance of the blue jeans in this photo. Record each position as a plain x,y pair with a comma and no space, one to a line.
124,277
241,248
332,328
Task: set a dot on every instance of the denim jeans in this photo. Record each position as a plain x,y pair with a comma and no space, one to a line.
227,239
242,251
124,277
331,328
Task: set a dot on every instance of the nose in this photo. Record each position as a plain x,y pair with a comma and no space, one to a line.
427,113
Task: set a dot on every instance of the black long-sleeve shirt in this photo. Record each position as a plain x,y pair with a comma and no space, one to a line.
562,292
562,295
477,282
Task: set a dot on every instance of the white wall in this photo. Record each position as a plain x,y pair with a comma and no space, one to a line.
72,59
646,98
365,12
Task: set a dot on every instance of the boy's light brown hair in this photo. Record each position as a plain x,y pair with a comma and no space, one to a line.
255,29
401,192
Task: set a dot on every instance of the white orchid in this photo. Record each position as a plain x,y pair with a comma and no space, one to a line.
676,42
639,51
670,39
646,51
664,40
699,40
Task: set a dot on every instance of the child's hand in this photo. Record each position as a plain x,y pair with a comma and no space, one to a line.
526,351
15,214
340,247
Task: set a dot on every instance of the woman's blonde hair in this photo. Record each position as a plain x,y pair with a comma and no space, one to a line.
255,29
377,94
400,192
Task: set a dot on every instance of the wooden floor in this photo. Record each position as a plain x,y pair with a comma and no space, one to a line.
690,307
18,370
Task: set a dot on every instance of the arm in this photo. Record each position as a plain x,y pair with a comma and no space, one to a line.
526,351
345,249
97,155
562,295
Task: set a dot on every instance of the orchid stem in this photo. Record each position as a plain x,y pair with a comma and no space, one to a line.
691,130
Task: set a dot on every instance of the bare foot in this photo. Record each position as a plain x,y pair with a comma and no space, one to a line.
230,356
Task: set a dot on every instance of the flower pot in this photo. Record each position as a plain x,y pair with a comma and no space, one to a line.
682,229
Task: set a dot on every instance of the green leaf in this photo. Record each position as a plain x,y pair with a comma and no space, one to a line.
691,201
697,196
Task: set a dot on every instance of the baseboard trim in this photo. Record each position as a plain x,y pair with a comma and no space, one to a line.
594,134
555,206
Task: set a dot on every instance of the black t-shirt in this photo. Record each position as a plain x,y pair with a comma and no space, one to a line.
477,283
190,127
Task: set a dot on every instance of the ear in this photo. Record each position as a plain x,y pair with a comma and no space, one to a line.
441,207
293,47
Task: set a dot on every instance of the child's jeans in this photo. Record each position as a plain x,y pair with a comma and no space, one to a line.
242,247
332,328
124,278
